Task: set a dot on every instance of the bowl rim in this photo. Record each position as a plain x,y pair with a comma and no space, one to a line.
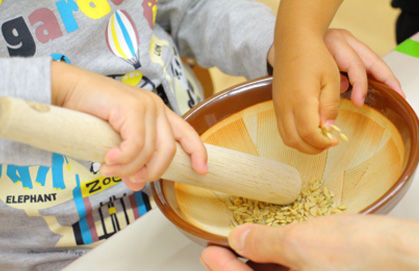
407,176
399,188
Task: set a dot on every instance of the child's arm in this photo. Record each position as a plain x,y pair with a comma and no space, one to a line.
148,128
29,79
234,36
306,72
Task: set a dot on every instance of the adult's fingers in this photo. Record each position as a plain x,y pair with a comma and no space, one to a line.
264,244
221,259
266,266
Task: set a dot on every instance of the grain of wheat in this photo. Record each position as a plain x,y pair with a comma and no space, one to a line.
334,127
343,137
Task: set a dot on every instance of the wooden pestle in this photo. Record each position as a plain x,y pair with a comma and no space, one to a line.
87,137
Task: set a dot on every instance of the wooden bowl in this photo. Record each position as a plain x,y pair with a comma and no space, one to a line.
368,174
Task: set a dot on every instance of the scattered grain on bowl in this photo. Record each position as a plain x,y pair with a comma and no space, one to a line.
314,200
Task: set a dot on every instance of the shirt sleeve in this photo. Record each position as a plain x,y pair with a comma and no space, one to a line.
234,36
28,79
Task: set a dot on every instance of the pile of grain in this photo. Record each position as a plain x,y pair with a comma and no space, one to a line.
314,200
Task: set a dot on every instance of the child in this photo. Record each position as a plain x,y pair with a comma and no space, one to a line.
55,208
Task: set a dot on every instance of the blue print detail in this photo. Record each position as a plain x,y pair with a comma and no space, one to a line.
140,203
57,171
126,35
84,226
66,9
20,174
42,175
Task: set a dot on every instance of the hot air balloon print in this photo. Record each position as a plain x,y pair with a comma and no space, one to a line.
122,38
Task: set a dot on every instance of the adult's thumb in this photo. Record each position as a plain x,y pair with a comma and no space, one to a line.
263,244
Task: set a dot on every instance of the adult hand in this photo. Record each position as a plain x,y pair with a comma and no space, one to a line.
338,242
148,128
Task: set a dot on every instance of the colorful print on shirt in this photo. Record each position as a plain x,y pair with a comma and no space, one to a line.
37,189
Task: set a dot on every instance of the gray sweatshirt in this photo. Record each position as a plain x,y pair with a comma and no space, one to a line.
54,208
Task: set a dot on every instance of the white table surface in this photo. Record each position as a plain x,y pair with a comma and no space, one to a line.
406,69
152,243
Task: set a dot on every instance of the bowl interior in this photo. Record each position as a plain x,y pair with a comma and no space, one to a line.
362,173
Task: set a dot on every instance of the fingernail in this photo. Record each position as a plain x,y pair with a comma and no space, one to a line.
328,124
237,238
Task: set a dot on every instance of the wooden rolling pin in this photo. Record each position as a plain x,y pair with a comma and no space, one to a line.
87,137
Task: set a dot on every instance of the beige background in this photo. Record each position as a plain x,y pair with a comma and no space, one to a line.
371,21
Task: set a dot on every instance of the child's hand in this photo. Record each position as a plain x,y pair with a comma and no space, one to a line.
148,128
307,84
306,92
